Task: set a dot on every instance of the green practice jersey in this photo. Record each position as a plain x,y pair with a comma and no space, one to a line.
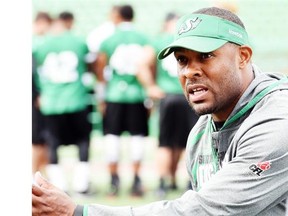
37,41
167,78
124,50
61,64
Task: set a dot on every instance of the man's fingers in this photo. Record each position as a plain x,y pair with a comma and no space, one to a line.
41,181
39,206
35,200
36,190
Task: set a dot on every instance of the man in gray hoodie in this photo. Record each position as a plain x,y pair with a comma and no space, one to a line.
237,153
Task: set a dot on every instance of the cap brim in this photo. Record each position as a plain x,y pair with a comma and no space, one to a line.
199,44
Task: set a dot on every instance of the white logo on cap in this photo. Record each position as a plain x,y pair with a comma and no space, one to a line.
189,24
237,34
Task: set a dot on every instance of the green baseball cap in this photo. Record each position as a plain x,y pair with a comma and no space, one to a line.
204,33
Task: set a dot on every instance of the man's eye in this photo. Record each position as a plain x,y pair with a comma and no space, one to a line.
181,60
206,55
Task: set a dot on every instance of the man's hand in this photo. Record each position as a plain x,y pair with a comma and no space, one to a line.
49,200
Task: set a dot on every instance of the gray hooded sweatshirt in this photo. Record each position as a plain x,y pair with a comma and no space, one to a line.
241,169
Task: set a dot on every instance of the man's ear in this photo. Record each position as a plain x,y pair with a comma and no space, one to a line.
245,53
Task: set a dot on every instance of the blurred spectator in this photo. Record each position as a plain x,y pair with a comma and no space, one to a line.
94,39
123,109
173,109
103,31
42,23
67,18
64,100
41,27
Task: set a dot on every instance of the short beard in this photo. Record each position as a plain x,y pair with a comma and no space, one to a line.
202,111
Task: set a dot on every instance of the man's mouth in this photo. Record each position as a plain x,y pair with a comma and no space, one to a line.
197,93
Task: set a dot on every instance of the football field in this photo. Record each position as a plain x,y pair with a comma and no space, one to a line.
100,178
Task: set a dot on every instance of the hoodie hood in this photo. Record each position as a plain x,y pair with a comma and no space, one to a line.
260,82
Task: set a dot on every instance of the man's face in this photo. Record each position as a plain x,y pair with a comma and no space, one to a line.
212,82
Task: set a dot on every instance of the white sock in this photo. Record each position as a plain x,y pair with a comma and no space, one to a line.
81,179
137,148
112,143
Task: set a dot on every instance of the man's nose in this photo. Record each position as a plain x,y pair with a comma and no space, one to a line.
192,70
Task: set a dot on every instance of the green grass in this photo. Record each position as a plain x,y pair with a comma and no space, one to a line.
100,177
